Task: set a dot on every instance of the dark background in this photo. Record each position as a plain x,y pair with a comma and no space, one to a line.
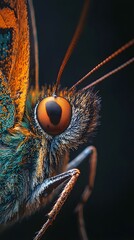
109,214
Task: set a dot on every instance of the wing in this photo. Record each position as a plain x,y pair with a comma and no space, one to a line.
34,65
15,51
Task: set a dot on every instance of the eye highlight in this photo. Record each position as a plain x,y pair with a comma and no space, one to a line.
54,115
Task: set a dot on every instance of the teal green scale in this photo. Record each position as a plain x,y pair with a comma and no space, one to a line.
7,109
5,43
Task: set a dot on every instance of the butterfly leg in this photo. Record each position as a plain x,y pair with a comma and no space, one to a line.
92,154
69,178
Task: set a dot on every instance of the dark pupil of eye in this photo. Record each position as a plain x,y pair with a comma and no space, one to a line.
54,112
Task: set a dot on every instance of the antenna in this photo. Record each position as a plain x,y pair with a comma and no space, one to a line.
73,42
110,73
113,55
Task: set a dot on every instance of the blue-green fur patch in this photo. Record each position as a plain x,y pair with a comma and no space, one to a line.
17,163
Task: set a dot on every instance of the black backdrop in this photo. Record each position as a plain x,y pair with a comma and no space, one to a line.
109,214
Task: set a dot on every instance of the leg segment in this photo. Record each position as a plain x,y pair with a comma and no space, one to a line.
92,154
69,178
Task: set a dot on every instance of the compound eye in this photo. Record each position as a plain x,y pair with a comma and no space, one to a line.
54,115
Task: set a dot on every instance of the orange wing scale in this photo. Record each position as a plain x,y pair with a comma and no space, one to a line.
16,65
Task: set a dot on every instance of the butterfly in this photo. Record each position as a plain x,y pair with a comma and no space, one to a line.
38,127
